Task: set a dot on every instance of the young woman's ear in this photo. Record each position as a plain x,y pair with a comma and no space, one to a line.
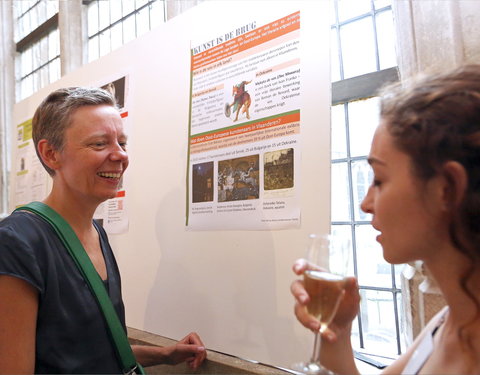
456,183
48,154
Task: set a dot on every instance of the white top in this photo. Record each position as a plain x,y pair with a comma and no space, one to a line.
423,351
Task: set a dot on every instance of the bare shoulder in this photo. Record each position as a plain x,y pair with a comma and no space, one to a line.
398,366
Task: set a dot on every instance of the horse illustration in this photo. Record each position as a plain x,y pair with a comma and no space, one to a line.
241,100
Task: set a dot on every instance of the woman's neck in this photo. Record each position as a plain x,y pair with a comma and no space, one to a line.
448,270
78,215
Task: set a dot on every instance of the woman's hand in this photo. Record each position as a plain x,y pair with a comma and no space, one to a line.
347,310
190,349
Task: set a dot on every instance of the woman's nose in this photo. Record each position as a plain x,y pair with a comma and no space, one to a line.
366,204
119,153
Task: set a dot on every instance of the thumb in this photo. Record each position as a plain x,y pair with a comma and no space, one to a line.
329,335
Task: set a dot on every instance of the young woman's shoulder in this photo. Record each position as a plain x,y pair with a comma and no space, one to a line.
399,365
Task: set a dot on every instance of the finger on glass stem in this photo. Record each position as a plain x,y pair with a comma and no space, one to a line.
307,320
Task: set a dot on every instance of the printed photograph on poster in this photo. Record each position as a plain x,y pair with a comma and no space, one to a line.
278,173
117,89
238,179
245,122
202,182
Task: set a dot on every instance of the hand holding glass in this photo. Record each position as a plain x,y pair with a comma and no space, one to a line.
325,290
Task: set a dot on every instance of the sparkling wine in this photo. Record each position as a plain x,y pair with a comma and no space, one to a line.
325,290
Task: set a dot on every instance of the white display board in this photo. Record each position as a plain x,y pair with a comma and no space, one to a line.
232,287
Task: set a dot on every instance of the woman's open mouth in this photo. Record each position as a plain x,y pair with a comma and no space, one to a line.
112,175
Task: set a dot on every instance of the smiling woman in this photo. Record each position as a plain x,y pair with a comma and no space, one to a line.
92,160
52,323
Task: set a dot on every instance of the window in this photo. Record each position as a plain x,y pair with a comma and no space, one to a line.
363,59
37,43
112,23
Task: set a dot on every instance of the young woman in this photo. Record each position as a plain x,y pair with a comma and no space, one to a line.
49,319
425,202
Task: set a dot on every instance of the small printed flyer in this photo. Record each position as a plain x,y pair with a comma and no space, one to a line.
113,214
30,177
244,131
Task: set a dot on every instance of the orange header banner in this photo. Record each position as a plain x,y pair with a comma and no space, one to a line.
243,42
293,117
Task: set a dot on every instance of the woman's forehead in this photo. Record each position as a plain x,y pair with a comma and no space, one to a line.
96,115
383,148
381,138
95,121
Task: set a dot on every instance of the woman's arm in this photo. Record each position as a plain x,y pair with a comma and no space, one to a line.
337,354
190,349
18,323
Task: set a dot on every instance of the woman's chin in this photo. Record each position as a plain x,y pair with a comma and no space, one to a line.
107,196
393,258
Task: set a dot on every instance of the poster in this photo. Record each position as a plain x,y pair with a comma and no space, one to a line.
244,130
29,175
113,214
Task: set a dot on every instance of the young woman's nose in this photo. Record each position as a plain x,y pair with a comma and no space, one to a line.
366,204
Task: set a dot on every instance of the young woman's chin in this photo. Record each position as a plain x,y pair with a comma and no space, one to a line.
394,256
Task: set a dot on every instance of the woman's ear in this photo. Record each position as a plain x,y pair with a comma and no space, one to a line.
48,154
456,183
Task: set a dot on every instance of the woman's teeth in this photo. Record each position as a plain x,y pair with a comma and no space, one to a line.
109,175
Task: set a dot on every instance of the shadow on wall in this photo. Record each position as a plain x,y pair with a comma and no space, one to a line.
219,284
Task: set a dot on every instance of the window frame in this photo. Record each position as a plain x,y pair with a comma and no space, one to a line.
345,91
38,34
119,21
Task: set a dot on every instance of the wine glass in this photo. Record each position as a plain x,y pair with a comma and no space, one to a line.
324,282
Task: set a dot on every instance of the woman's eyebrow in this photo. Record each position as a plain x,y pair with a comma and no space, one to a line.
373,160
105,135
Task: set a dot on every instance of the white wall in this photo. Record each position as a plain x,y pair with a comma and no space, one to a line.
230,287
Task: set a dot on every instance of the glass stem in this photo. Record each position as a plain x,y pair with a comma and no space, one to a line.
316,348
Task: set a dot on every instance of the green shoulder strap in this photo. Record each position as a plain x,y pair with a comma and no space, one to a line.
91,276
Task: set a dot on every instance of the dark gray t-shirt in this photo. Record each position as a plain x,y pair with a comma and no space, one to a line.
72,336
